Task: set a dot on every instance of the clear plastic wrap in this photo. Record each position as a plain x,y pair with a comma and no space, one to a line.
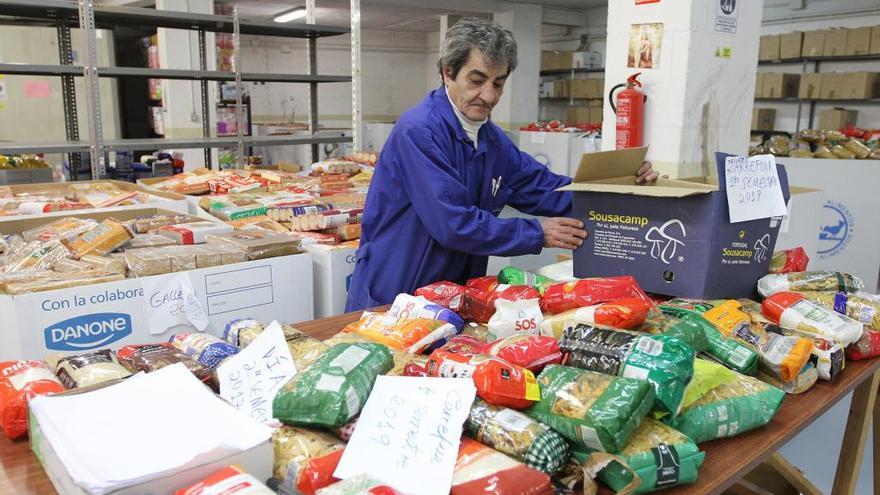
258,244
793,311
859,307
205,348
68,228
511,275
412,335
532,352
565,296
104,263
107,236
800,383
68,265
140,241
146,224
621,313
480,470
61,281
36,255
153,357
83,370
304,349
305,459
147,261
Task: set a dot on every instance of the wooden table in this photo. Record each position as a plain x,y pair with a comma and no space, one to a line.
727,461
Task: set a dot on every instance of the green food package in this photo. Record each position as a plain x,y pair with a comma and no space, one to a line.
729,352
517,276
659,455
591,409
736,406
334,388
658,323
666,362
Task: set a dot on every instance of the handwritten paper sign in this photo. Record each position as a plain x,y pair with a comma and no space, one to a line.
415,424
250,379
171,302
753,188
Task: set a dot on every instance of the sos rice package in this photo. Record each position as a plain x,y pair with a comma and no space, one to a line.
304,459
862,307
566,296
20,381
446,294
152,357
406,306
792,310
478,301
621,313
412,335
334,388
809,281
230,480
304,349
480,470
91,368
666,362
592,410
205,348
521,317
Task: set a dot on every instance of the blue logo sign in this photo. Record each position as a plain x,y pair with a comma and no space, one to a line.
87,331
836,230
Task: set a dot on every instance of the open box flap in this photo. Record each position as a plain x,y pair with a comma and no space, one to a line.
610,164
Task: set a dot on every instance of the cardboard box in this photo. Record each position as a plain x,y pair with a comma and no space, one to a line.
858,41
562,88
588,60
559,151
875,40
790,45
798,229
333,267
759,85
769,47
810,87
814,43
579,88
832,86
778,85
763,119
674,237
861,85
596,115
547,60
553,60
835,42
545,90
578,115
834,119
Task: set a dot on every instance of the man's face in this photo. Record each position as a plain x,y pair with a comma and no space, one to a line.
477,87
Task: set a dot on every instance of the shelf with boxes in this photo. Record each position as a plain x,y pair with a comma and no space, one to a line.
567,83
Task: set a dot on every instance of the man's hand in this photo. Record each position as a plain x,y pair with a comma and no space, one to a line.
647,175
566,233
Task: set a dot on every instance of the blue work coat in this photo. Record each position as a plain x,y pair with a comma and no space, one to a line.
432,208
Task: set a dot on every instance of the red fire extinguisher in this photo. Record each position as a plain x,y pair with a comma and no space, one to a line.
630,111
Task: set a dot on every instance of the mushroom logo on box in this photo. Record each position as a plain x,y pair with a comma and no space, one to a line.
761,248
87,331
665,240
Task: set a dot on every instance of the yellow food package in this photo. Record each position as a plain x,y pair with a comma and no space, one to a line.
410,335
107,236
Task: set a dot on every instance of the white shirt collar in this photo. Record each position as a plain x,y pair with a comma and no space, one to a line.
471,127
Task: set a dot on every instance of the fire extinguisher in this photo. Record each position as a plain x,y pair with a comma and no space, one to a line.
630,112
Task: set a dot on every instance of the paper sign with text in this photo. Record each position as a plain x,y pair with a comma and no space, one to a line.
753,188
416,425
172,303
250,379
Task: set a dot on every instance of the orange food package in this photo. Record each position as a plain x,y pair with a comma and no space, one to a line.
480,470
412,335
478,304
20,381
566,296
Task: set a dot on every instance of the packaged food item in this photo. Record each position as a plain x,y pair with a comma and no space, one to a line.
62,228
361,484
304,349
517,435
334,388
809,281
823,151
479,305
329,219
194,232
104,263
258,244
446,294
67,265
592,410
149,240
228,254
146,262
522,317
792,310
105,237
517,276
91,368
621,313
60,281
657,456
305,459
480,470
736,406
146,224
230,480
20,381
666,362
263,223
801,382
707,376
345,233
857,148
866,347
412,335
733,354
842,153
532,352
565,296
690,332
406,306
790,260
36,255
205,348
859,306
152,357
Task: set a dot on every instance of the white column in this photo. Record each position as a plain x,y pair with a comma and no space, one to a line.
519,104
700,97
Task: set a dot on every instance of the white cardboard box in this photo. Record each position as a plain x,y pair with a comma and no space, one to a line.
559,151
333,270
114,314
799,228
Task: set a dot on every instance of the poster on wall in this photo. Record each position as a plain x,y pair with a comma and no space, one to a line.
726,13
645,41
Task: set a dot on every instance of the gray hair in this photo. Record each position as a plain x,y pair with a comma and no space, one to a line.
493,41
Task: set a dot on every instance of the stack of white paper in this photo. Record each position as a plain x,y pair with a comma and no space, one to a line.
149,426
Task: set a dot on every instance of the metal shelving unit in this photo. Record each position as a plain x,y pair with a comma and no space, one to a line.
90,18
572,71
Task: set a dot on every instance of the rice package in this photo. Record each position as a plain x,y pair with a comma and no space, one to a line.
230,480
867,346
478,301
592,410
305,459
621,313
690,332
801,382
790,260
205,348
91,368
792,310
412,335
521,317
566,296
656,456
406,306
735,355
511,432
304,349
809,281
740,404
446,294
334,388
21,381
532,352
666,362
480,470
862,307
152,357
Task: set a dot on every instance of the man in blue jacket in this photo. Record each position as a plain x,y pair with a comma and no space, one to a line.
446,172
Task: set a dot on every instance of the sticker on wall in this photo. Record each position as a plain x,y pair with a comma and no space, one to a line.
726,14
2,92
645,41
37,89
723,52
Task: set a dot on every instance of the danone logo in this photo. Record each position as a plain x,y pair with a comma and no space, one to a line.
87,331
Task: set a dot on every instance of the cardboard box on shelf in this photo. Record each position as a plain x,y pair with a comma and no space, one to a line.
587,60
562,88
675,237
811,85
578,115
861,85
333,266
763,119
832,86
546,89
858,41
759,85
790,45
552,60
769,47
834,119
777,85
596,114
587,88
875,40
835,42
547,60
814,43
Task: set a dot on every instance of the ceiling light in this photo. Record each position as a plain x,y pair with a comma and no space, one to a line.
291,15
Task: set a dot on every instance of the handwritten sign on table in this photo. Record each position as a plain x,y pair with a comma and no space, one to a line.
171,302
415,424
250,379
753,188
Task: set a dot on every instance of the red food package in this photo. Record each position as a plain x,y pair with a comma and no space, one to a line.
589,292
487,283
446,294
480,470
532,352
228,481
20,381
624,313
497,381
318,472
790,260
867,346
479,305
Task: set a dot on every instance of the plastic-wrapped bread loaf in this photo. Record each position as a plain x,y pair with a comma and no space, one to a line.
105,263
258,244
